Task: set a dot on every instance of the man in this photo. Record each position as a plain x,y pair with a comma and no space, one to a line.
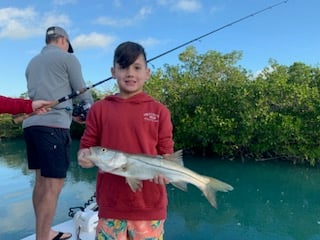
52,74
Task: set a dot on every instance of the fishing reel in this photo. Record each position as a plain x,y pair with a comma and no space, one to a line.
81,110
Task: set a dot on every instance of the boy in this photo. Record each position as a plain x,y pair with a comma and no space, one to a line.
133,122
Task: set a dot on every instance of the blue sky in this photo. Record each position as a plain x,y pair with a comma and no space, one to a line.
287,33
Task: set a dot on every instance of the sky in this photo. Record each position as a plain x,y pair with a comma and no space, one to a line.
287,33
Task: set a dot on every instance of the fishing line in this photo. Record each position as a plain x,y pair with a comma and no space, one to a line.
19,118
218,29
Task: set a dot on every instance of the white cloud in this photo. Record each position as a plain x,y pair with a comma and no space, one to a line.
8,13
188,5
108,21
149,42
162,2
92,40
51,19
64,2
181,5
143,12
117,3
263,72
23,23
15,23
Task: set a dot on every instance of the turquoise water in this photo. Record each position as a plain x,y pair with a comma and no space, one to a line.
270,200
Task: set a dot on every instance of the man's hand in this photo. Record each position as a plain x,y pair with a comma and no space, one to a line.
78,119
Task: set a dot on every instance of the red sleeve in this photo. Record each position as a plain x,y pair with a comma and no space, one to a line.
15,105
91,134
165,142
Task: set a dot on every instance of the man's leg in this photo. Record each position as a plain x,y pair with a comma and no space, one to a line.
48,152
45,196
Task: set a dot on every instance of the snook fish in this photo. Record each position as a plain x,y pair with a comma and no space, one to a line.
135,167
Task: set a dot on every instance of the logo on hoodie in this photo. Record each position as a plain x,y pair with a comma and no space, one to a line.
152,117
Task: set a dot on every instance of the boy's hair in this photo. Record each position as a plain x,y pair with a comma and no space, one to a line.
127,53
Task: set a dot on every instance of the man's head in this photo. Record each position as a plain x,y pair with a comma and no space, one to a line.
54,33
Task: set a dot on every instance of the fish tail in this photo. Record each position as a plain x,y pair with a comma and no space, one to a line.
212,187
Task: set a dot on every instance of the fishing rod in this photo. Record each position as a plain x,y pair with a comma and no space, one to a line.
218,29
19,118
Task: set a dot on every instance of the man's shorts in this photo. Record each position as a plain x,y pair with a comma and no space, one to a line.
49,150
129,229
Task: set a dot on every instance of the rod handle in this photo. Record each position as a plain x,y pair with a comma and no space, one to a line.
16,119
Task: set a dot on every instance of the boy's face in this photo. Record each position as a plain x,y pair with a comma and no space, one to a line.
131,79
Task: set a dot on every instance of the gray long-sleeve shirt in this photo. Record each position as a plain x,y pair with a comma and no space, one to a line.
51,75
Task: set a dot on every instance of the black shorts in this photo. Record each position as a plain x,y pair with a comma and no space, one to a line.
48,149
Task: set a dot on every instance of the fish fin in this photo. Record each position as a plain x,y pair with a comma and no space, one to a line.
181,185
176,157
134,184
212,187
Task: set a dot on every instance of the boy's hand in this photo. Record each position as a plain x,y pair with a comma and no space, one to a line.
82,160
160,179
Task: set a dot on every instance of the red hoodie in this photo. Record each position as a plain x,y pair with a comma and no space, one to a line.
138,125
15,105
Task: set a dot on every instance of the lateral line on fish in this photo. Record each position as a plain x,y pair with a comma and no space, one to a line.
186,171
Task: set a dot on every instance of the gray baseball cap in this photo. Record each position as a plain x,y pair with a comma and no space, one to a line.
55,31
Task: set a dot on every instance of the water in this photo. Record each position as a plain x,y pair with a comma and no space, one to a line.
270,200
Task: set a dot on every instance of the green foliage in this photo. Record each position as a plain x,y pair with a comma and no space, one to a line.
8,128
219,108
